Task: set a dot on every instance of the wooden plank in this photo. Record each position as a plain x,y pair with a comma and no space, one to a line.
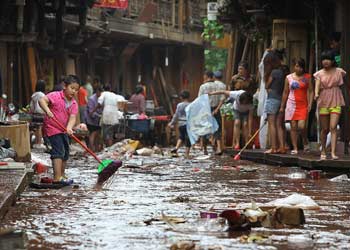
32,66
167,98
181,14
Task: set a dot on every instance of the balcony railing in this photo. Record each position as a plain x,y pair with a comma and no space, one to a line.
167,12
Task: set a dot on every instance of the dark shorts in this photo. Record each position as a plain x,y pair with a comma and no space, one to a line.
217,134
93,128
184,136
60,146
242,116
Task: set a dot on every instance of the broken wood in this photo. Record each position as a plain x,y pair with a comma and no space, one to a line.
163,84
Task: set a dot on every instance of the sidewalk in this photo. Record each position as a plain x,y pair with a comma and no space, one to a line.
14,178
304,160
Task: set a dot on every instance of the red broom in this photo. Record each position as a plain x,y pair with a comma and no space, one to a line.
106,168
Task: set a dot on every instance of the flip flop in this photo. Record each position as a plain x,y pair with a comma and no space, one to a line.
323,157
271,151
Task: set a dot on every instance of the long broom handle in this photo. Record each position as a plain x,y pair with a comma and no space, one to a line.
77,140
252,138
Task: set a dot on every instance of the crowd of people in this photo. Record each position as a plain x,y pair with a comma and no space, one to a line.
283,97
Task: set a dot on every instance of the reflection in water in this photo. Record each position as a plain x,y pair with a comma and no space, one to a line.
114,218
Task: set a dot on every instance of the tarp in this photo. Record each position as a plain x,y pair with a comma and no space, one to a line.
115,4
200,121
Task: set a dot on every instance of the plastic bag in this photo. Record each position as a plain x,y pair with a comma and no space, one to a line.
200,121
297,200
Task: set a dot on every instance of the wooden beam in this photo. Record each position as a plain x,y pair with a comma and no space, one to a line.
32,67
181,14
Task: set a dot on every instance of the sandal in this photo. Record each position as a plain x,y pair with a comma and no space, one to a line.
334,157
294,152
271,151
323,157
281,151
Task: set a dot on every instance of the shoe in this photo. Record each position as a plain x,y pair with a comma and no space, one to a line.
237,147
294,152
173,151
64,181
218,153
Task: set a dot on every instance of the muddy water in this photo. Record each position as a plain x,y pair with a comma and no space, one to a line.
114,218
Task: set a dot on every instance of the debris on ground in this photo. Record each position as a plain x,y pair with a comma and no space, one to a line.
183,245
340,178
295,200
253,238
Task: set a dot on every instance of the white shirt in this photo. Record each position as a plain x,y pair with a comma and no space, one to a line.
234,95
110,113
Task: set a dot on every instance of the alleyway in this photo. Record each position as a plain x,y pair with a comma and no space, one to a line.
82,218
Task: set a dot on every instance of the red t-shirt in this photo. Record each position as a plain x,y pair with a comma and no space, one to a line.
82,96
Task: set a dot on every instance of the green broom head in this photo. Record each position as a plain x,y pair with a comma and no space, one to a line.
103,165
108,168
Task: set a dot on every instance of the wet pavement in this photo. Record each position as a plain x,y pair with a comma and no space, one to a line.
82,218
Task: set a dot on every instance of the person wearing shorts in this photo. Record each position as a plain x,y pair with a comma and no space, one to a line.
329,100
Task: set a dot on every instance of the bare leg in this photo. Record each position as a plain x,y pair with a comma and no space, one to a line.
294,134
334,119
187,152
178,144
64,165
245,131
236,133
271,119
324,124
218,148
57,168
281,132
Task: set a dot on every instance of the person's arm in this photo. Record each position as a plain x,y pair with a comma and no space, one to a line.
175,118
44,104
71,123
317,88
250,122
310,95
284,96
220,92
268,82
218,107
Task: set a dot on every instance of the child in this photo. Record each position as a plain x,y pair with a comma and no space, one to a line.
62,106
329,100
180,118
243,111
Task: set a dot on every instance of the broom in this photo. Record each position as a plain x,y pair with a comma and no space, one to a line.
238,156
106,168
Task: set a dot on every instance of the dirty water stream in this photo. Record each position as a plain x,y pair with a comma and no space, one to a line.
82,218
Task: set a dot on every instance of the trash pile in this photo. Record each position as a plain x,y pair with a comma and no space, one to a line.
6,152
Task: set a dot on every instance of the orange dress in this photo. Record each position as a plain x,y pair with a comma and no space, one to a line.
297,104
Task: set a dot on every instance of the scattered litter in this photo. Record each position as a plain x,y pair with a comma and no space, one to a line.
297,200
253,238
300,241
202,157
181,199
144,151
340,178
183,245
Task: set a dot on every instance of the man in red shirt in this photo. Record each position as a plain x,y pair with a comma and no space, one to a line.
82,102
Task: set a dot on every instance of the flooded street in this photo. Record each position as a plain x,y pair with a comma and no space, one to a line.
124,216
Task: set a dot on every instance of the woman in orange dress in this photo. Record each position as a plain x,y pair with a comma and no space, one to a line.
296,102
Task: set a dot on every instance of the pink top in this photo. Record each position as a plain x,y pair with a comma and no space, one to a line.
330,93
62,109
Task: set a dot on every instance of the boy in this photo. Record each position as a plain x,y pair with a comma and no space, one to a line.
60,105
180,118
243,111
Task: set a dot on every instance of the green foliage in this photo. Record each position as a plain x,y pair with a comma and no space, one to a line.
215,58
